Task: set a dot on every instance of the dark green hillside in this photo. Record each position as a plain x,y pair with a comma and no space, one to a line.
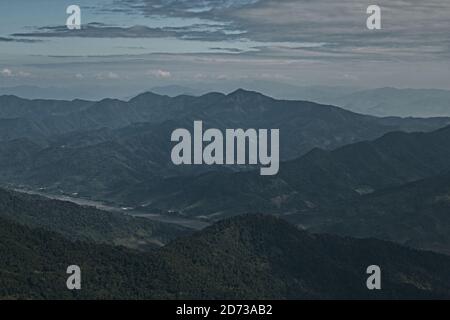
315,180
85,223
416,214
246,257
95,163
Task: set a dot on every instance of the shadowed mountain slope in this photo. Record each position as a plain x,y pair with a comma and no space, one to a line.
243,258
416,214
85,223
315,180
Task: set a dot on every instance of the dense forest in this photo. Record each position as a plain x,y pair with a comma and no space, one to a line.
86,223
247,257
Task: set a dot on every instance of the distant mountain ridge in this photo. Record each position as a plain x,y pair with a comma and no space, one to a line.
385,102
112,144
317,125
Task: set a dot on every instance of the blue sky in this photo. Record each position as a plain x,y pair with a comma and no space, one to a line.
138,44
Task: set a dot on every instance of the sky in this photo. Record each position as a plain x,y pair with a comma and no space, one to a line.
139,44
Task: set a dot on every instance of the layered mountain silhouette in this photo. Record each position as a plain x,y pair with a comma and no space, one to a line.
100,149
305,125
384,102
416,214
316,180
341,173
249,257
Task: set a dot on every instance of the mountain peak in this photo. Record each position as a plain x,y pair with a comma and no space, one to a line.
244,93
11,97
147,95
253,228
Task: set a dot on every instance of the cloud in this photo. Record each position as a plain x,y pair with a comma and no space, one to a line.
98,30
160,73
5,39
180,8
230,50
24,74
107,76
410,28
7,72
112,75
291,41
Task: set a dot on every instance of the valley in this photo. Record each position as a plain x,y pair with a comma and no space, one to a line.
191,223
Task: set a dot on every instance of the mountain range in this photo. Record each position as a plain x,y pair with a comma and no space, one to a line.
306,125
101,148
384,102
381,102
317,179
342,173
394,188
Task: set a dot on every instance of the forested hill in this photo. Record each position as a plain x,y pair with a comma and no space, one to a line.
245,257
86,223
